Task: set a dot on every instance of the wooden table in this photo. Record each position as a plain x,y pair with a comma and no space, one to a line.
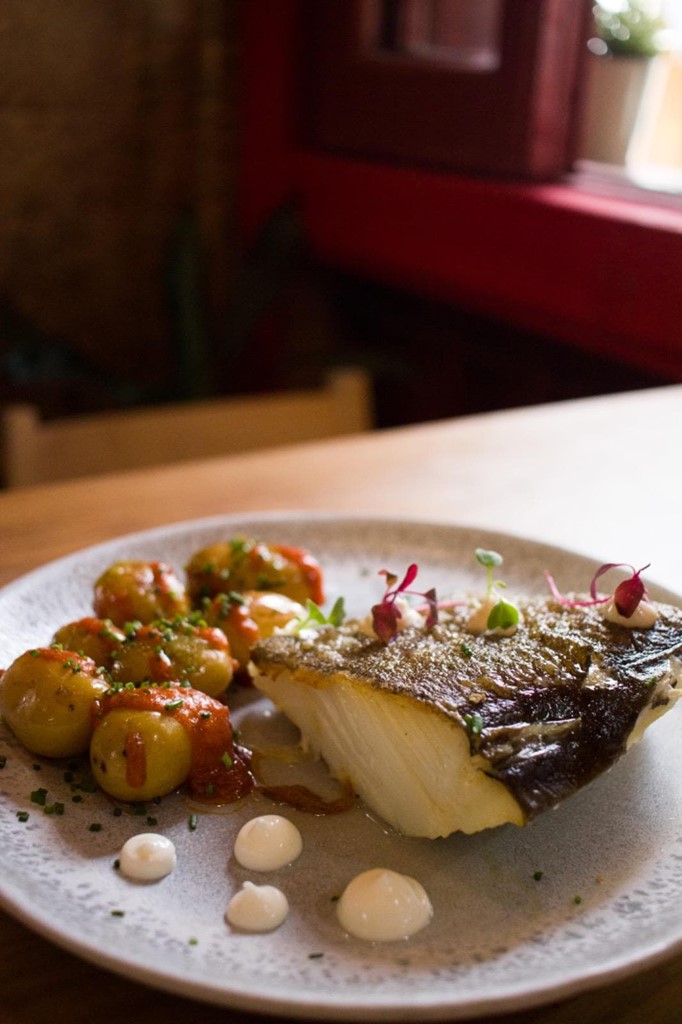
601,476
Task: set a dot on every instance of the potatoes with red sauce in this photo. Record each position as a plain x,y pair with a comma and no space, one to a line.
94,638
249,617
47,697
244,564
139,754
151,739
178,651
140,591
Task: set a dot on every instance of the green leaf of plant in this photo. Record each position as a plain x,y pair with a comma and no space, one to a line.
488,558
503,615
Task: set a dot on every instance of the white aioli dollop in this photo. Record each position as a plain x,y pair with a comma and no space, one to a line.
383,906
477,622
643,617
257,908
147,857
267,843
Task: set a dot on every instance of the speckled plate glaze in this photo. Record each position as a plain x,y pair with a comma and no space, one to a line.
502,937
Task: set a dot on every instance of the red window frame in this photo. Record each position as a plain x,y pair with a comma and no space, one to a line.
598,271
514,118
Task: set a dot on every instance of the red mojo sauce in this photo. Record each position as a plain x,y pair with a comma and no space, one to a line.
309,566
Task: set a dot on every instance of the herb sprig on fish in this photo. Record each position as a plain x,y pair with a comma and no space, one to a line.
626,596
503,614
386,614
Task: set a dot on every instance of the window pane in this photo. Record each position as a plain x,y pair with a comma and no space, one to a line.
464,34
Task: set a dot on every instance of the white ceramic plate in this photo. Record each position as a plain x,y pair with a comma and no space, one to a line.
501,938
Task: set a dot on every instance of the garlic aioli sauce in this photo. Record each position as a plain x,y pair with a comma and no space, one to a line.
477,622
643,617
381,905
257,908
267,843
147,857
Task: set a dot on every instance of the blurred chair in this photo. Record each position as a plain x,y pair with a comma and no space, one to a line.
36,451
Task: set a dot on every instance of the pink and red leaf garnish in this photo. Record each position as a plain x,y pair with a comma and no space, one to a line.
629,593
626,596
386,616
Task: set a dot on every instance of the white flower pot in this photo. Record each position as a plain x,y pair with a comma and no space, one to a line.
614,91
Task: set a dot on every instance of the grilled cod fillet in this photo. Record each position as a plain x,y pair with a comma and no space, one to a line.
440,731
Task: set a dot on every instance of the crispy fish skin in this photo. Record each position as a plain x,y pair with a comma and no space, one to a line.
545,711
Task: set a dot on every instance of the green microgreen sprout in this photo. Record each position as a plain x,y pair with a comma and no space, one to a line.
315,617
504,614
473,723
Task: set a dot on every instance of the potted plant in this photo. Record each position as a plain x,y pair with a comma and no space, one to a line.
621,53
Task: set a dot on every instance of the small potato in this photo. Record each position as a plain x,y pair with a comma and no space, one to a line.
244,564
139,755
47,698
139,591
180,651
94,638
249,617
272,611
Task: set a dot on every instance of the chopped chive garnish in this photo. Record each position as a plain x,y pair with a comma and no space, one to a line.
22,815
152,821
537,875
95,827
227,760
473,723
173,704
118,913
192,822
39,796
3,760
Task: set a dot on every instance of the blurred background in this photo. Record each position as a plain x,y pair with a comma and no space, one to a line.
127,278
